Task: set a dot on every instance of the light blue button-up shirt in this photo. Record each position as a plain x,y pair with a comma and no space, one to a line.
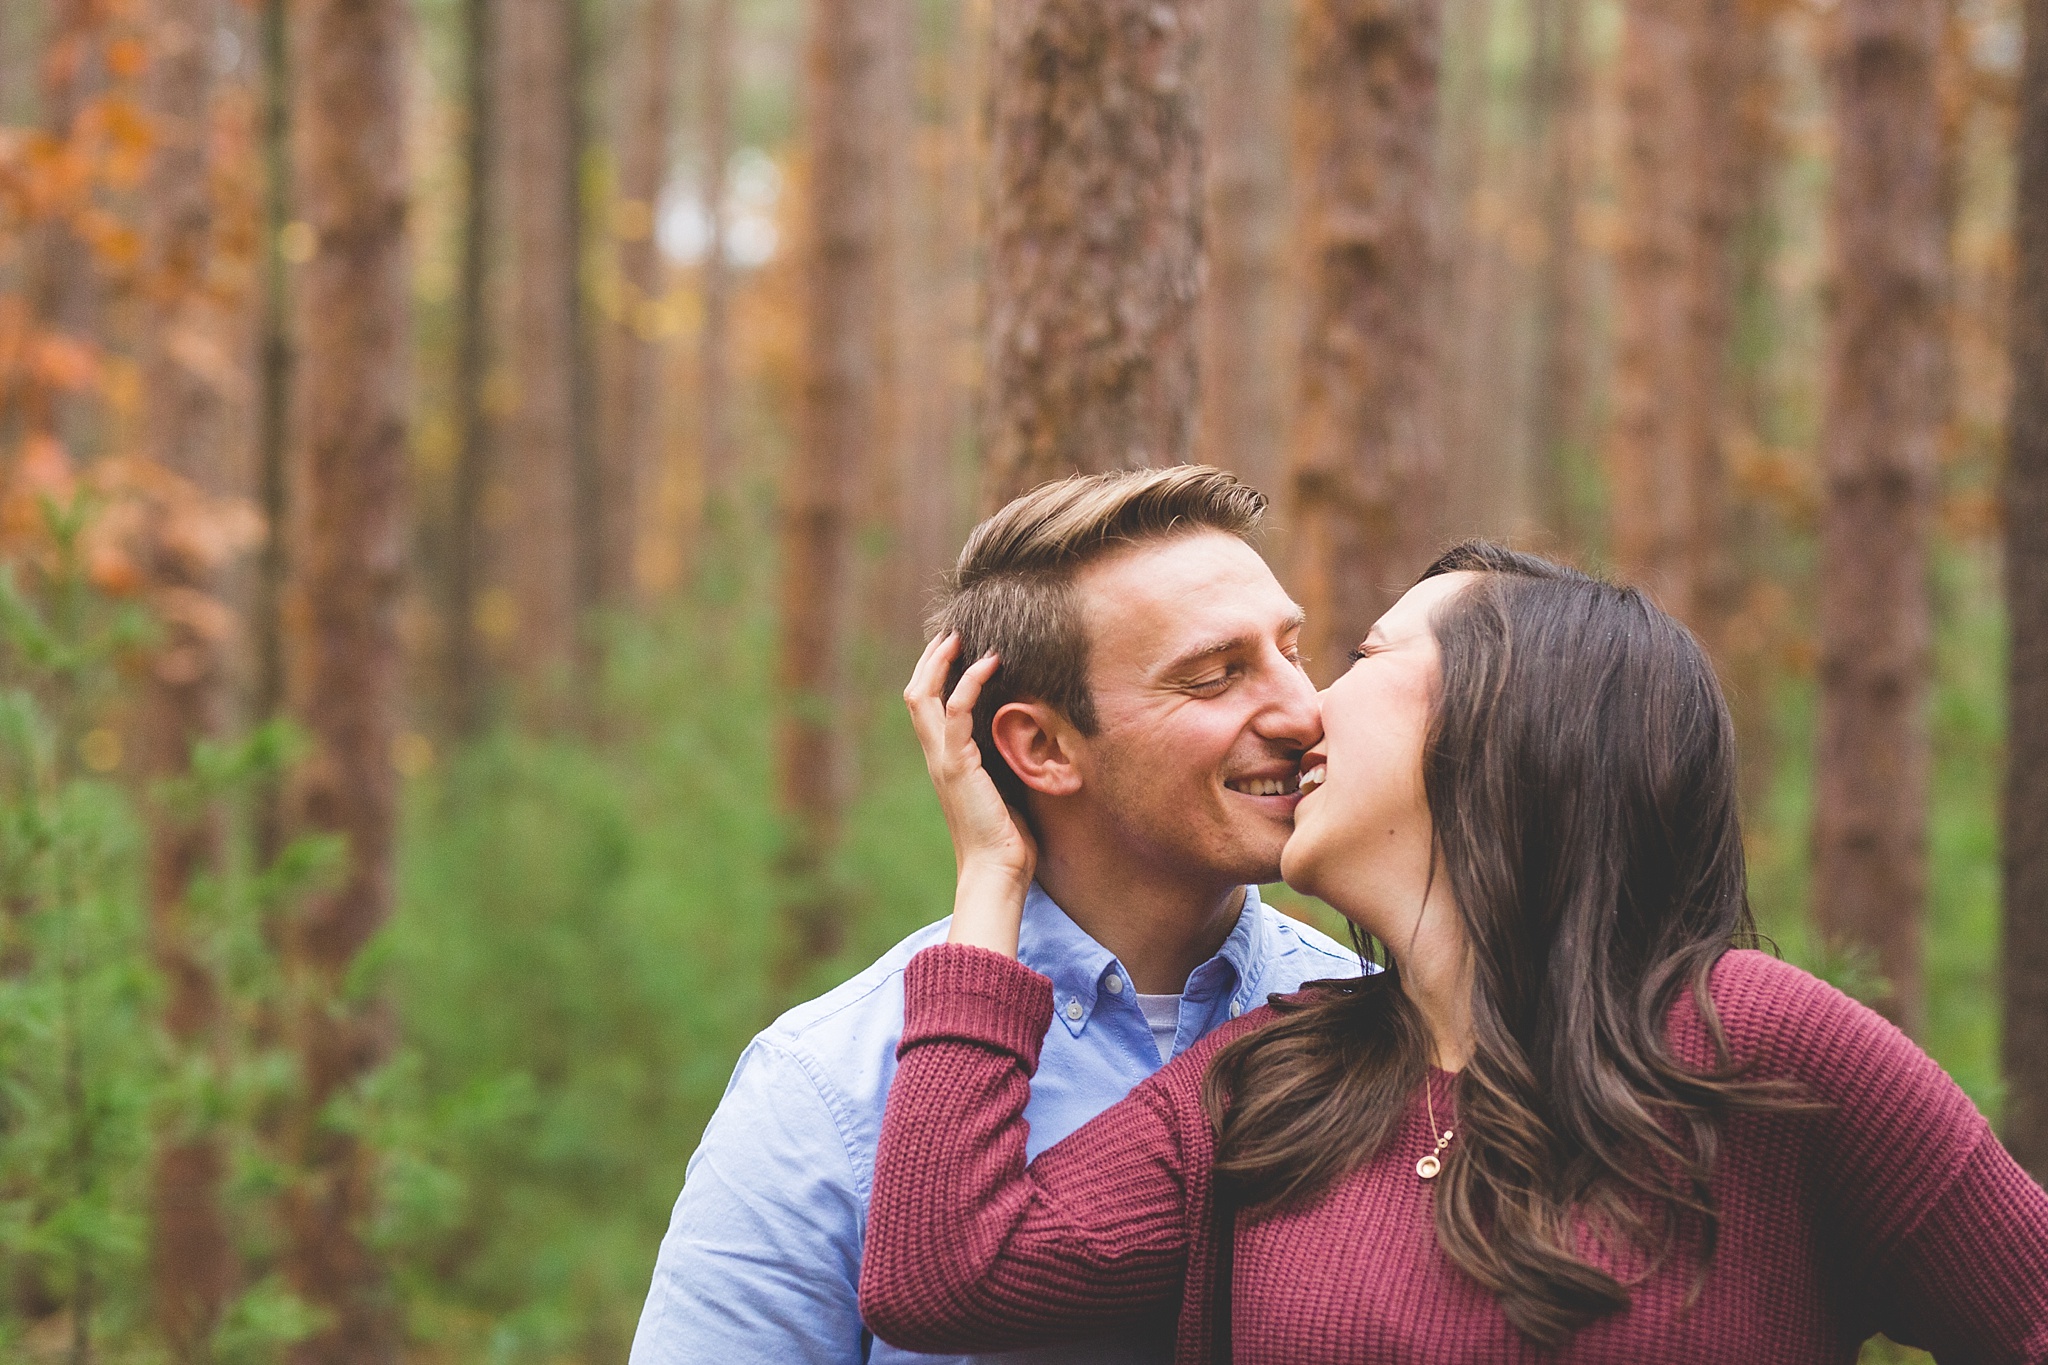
762,1258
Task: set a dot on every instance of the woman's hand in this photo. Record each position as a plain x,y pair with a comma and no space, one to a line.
992,851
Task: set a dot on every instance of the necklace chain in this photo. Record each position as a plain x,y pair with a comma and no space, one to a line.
1432,1162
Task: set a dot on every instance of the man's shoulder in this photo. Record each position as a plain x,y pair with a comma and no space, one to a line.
848,1015
1300,952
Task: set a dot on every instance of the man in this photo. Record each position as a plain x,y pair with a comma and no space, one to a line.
1148,717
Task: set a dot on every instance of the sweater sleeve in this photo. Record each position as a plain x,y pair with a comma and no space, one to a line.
1937,1235
970,1249
1970,1282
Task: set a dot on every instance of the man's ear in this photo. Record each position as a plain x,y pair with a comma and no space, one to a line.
1038,743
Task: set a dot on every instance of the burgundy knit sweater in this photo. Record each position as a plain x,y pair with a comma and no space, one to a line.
1897,1211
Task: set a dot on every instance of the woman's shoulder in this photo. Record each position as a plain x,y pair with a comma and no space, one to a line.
1783,1022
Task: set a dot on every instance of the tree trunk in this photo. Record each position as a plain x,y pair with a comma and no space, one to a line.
1673,285
1557,398
2026,596
63,288
846,109
273,393
350,427
541,553
937,377
1480,426
1095,246
1880,432
1240,427
467,550
716,467
633,406
1367,461
186,687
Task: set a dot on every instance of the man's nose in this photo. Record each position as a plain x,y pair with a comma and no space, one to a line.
1295,712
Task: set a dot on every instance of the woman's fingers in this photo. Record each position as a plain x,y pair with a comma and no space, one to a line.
968,691
928,679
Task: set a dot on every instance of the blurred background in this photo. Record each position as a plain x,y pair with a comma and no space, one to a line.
472,472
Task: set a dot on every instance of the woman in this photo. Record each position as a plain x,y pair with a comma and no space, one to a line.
1571,1120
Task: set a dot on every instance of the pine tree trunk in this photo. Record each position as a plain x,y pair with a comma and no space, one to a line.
1670,320
1095,245
1880,432
633,406
273,395
64,291
468,549
846,112
1240,421
1367,459
2026,596
541,550
186,688
350,419
1557,398
1479,427
942,331
717,469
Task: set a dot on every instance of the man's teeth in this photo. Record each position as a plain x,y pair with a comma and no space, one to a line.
1262,786
1313,778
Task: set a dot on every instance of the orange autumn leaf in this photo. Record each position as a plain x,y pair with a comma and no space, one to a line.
127,57
59,362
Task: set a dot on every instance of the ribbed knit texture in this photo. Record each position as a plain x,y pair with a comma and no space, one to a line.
1895,1212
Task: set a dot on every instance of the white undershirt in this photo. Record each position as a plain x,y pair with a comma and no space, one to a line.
1162,1012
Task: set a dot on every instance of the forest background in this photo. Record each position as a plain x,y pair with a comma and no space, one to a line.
471,474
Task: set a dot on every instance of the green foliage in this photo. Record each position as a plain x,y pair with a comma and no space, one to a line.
78,1067
584,944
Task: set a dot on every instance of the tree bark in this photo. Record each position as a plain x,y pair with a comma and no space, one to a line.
1557,398
273,393
468,550
1095,243
1367,459
64,291
1880,433
633,406
541,552
716,466
1240,420
846,112
186,688
937,379
350,419
1674,293
2025,1048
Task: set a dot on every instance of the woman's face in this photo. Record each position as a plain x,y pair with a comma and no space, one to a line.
1362,837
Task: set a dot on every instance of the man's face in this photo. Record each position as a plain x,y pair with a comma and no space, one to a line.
1203,709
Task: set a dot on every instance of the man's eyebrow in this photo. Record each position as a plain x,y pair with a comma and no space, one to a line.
1183,662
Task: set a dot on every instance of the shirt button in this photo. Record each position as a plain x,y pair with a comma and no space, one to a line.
1115,984
1235,1009
1074,1010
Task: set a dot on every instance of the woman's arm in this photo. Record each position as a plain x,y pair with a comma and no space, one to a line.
967,1248
1970,1281
1939,1238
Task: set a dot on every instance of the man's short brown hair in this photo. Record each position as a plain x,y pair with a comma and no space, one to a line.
1012,589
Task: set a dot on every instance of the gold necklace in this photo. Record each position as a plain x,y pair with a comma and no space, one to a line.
1432,1162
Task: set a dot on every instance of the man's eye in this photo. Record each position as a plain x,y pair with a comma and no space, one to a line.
1211,685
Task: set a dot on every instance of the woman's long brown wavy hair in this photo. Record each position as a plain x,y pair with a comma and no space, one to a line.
1580,774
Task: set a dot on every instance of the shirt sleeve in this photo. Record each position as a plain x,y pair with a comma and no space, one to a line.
970,1249
762,1255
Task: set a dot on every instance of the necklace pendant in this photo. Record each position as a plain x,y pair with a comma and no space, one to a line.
1428,1167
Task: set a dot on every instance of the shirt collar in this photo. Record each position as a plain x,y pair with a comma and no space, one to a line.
1049,942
